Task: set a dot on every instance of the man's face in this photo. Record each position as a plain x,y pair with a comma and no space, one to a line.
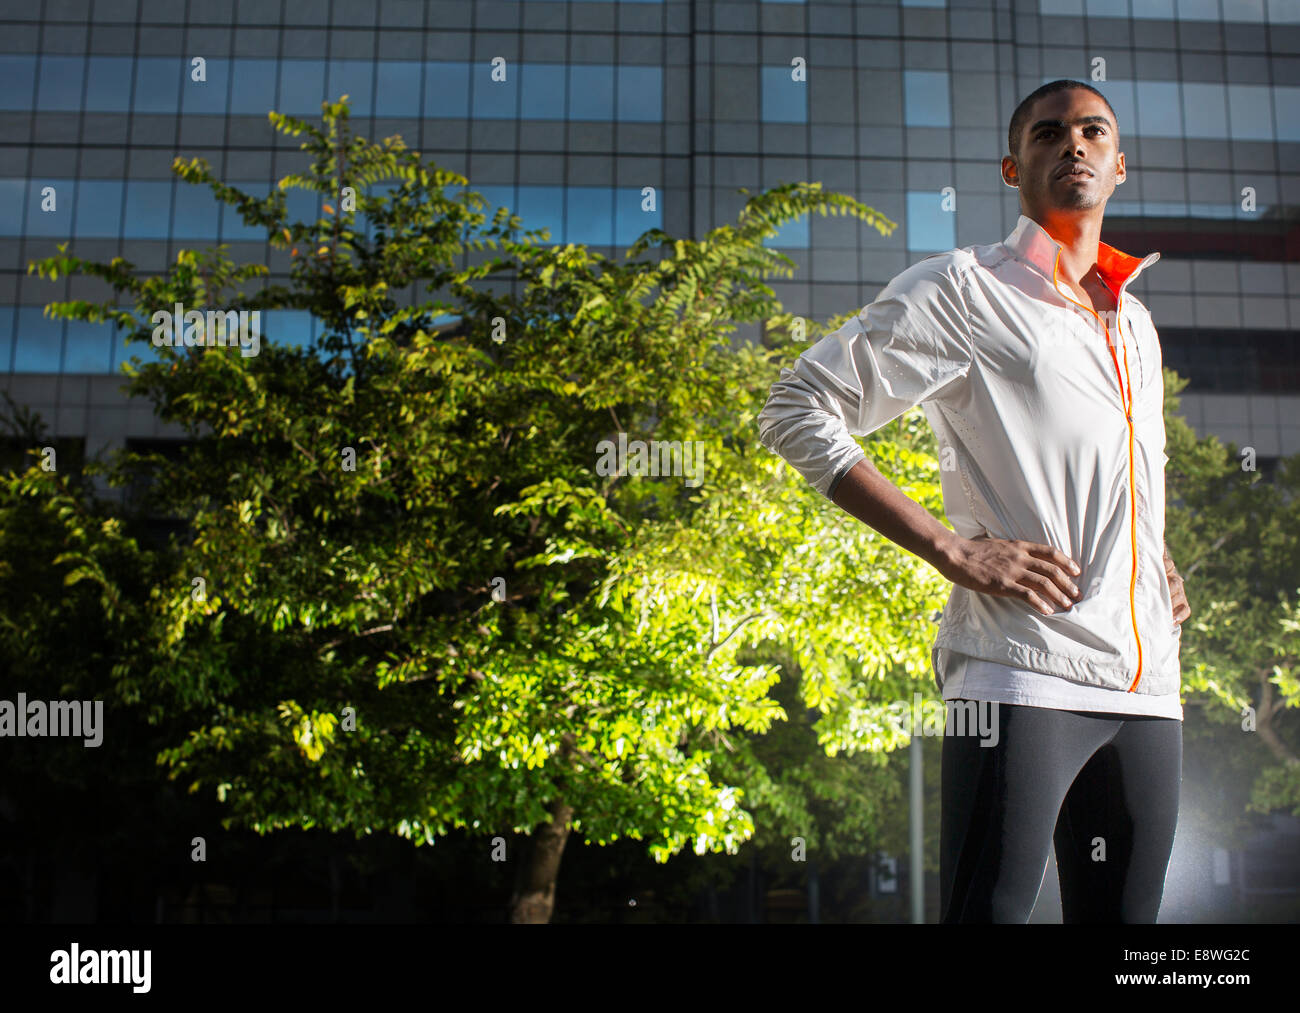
1071,126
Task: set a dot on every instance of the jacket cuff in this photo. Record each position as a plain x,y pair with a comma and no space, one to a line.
839,475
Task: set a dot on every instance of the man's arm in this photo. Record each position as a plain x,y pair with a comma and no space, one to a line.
1176,591
870,497
1038,574
905,348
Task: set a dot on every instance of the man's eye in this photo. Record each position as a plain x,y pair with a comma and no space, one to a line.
1044,133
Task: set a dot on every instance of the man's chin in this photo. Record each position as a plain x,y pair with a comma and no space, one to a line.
1076,201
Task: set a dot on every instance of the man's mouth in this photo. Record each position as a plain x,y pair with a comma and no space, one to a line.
1074,169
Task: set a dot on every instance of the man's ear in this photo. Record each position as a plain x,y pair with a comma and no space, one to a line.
1010,172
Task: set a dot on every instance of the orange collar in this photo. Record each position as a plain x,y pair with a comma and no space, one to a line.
1033,244
1115,266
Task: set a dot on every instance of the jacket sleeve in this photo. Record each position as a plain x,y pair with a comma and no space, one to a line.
912,344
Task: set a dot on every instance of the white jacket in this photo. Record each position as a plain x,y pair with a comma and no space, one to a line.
1028,401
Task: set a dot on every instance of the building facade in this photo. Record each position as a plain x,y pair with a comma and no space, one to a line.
568,110
904,106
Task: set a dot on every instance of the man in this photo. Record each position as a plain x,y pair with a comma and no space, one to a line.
1041,377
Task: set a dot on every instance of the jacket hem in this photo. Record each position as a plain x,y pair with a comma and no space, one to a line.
1080,670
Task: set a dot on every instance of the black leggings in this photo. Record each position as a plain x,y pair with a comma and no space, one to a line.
1103,786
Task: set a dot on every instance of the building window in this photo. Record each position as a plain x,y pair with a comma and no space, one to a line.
925,99
785,100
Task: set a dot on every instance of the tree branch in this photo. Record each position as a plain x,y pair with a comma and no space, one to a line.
739,626
364,633
1205,555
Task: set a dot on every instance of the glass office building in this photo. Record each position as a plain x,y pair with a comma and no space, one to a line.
904,105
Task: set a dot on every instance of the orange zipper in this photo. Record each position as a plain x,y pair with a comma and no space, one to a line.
1132,497
1126,405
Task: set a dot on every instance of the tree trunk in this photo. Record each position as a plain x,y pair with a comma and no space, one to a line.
752,892
534,903
1266,720
814,893
335,888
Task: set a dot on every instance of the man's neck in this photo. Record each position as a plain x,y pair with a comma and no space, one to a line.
1079,236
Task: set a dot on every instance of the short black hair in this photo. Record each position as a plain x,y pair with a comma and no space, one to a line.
1021,115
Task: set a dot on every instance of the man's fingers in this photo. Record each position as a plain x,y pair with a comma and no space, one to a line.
1047,589
1176,593
1055,574
1037,602
1052,555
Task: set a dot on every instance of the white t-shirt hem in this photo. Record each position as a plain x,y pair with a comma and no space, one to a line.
976,679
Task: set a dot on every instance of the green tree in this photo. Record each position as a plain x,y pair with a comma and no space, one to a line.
1235,536
409,597
61,799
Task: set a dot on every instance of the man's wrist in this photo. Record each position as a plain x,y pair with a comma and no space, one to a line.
943,549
